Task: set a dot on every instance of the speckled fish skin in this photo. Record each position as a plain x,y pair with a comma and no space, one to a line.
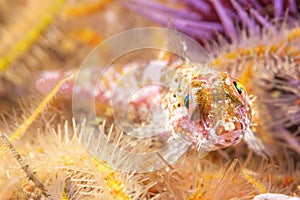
201,120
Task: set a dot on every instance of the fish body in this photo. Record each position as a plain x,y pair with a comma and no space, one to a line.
204,107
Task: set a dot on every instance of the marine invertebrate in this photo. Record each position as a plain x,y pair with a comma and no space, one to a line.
16,44
85,8
213,177
35,34
22,128
60,172
268,67
205,20
25,167
30,38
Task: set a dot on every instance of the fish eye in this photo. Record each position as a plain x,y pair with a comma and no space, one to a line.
187,101
238,87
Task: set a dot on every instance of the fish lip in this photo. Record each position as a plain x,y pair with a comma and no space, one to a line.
230,138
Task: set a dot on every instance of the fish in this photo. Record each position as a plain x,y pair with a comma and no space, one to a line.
220,121
209,109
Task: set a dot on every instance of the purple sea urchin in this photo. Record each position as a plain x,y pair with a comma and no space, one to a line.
204,20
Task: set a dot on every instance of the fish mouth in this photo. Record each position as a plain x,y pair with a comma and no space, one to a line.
230,133
229,139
